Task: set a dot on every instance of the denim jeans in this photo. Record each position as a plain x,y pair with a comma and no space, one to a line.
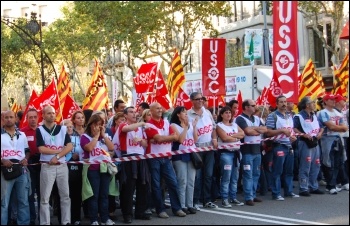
35,178
21,185
98,203
283,160
185,174
251,173
229,175
202,187
162,168
309,167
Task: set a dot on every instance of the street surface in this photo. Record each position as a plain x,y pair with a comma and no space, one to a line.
315,210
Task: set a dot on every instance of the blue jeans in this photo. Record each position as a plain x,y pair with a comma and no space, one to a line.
229,166
251,173
202,186
21,185
162,167
98,203
283,160
309,159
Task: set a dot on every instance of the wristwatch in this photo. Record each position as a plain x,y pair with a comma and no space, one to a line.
57,156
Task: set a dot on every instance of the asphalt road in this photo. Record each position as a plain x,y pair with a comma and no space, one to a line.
314,210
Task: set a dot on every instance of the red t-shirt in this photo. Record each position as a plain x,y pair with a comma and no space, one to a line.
31,137
151,132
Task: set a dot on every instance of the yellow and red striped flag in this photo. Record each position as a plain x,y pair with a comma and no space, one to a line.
341,77
63,89
176,77
96,97
309,85
16,107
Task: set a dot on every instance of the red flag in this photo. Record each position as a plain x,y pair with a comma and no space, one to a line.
70,106
163,101
183,100
213,66
48,97
145,78
24,122
274,90
240,101
264,97
219,100
161,89
150,98
285,47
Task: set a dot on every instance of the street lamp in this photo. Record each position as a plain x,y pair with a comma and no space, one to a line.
30,30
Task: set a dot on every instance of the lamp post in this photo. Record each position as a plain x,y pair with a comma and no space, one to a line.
31,29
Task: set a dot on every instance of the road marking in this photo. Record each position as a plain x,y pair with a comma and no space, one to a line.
261,215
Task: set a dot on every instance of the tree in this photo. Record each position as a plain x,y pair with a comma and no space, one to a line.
334,9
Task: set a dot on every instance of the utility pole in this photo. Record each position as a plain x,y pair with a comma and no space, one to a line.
266,37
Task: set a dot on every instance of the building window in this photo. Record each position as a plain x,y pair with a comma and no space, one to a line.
316,48
25,12
7,13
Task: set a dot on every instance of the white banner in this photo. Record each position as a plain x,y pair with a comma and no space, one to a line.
271,41
258,42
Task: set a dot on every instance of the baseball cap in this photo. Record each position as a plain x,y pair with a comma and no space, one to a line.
339,98
328,97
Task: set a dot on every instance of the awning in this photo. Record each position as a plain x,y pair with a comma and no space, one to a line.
345,32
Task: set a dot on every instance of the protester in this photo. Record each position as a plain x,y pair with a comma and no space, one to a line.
118,118
119,106
134,174
97,147
159,137
53,143
142,106
146,116
331,143
33,161
14,145
251,155
229,133
306,123
184,169
206,128
280,124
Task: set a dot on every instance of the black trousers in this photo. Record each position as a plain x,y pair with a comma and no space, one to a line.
127,190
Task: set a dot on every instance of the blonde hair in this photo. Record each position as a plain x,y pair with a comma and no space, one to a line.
66,121
144,114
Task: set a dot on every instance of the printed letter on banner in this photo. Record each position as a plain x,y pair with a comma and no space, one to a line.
145,77
285,46
213,67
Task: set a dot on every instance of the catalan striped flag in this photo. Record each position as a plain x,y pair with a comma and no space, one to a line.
63,89
16,107
341,77
309,85
96,97
176,77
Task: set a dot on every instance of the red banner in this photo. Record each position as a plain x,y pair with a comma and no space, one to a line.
145,77
213,67
183,100
285,47
69,108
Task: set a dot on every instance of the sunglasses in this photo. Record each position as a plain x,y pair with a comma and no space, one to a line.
252,106
197,99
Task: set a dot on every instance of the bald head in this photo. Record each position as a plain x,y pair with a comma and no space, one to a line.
49,114
156,110
9,119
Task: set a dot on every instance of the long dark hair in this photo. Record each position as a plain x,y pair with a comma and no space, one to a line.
222,111
174,117
93,119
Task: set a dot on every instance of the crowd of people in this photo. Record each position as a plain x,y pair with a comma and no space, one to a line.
261,150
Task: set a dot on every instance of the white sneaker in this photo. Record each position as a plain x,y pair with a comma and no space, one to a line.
197,207
95,223
279,198
333,191
336,189
108,222
345,187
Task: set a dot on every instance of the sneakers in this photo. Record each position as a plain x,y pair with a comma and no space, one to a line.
236,202
279,198
292,195
345,187
336,189
163,215
210,205
108,222
226,204
333,191
304,193
317,192
180,213
185,210
197,207
192,210
77,223
95,223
